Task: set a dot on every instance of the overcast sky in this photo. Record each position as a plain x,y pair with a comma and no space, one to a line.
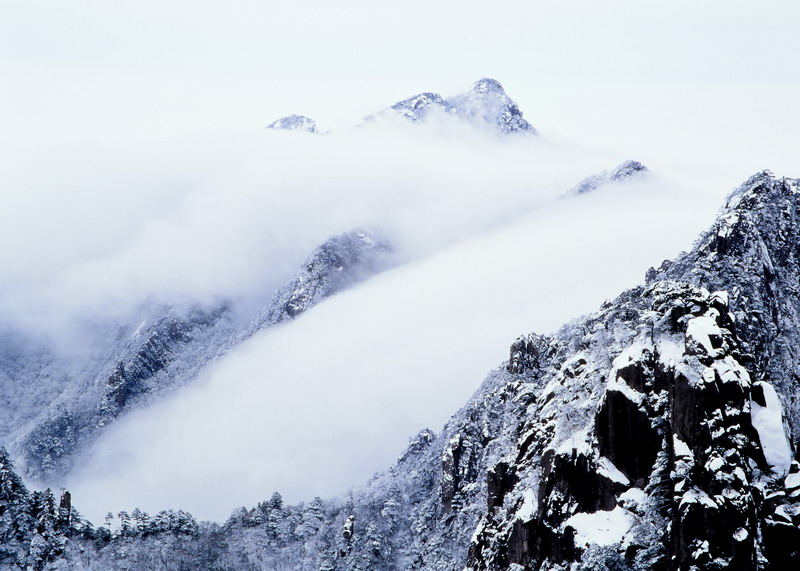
117,70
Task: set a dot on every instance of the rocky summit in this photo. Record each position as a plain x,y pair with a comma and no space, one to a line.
485,105
622,172
294,123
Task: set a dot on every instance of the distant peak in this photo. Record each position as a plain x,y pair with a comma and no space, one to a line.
486,104
488,85
294,123
417,106
626,169
621,172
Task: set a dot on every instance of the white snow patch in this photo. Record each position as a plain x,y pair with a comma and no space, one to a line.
527,510
702,547
740,534
729,370
477,532
696,495
781,512
700,329
681,448
633,495
577,441
715,464
632,353
607,468
768,422
792,481
601,527
670,350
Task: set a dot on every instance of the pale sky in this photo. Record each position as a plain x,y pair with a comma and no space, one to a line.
118,70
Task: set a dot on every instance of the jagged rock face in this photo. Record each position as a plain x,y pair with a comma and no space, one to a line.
417,107
485,105
294,123
657,439
624,171
487,102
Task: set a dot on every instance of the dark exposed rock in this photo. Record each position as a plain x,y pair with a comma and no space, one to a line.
674,415
527,352
626,437
499,480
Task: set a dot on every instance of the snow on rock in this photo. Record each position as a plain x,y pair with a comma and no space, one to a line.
622,172
601,527
417,107
527,511
680,448
485,105
607,469
294,123
767,417
703,331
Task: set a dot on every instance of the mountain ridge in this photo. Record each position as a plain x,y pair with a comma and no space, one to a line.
485,105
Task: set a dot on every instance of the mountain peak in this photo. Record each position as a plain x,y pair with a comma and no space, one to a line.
294,123
486,104
488,85
621,172
416,107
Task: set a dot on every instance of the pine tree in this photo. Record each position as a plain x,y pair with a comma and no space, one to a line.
16,522
124,523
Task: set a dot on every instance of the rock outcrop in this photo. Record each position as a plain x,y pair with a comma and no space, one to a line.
486,106
624,171
294,123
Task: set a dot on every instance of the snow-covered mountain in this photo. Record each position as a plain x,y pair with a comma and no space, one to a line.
657,433
143,361
660,432
485,105
621,172
58,403
294,123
